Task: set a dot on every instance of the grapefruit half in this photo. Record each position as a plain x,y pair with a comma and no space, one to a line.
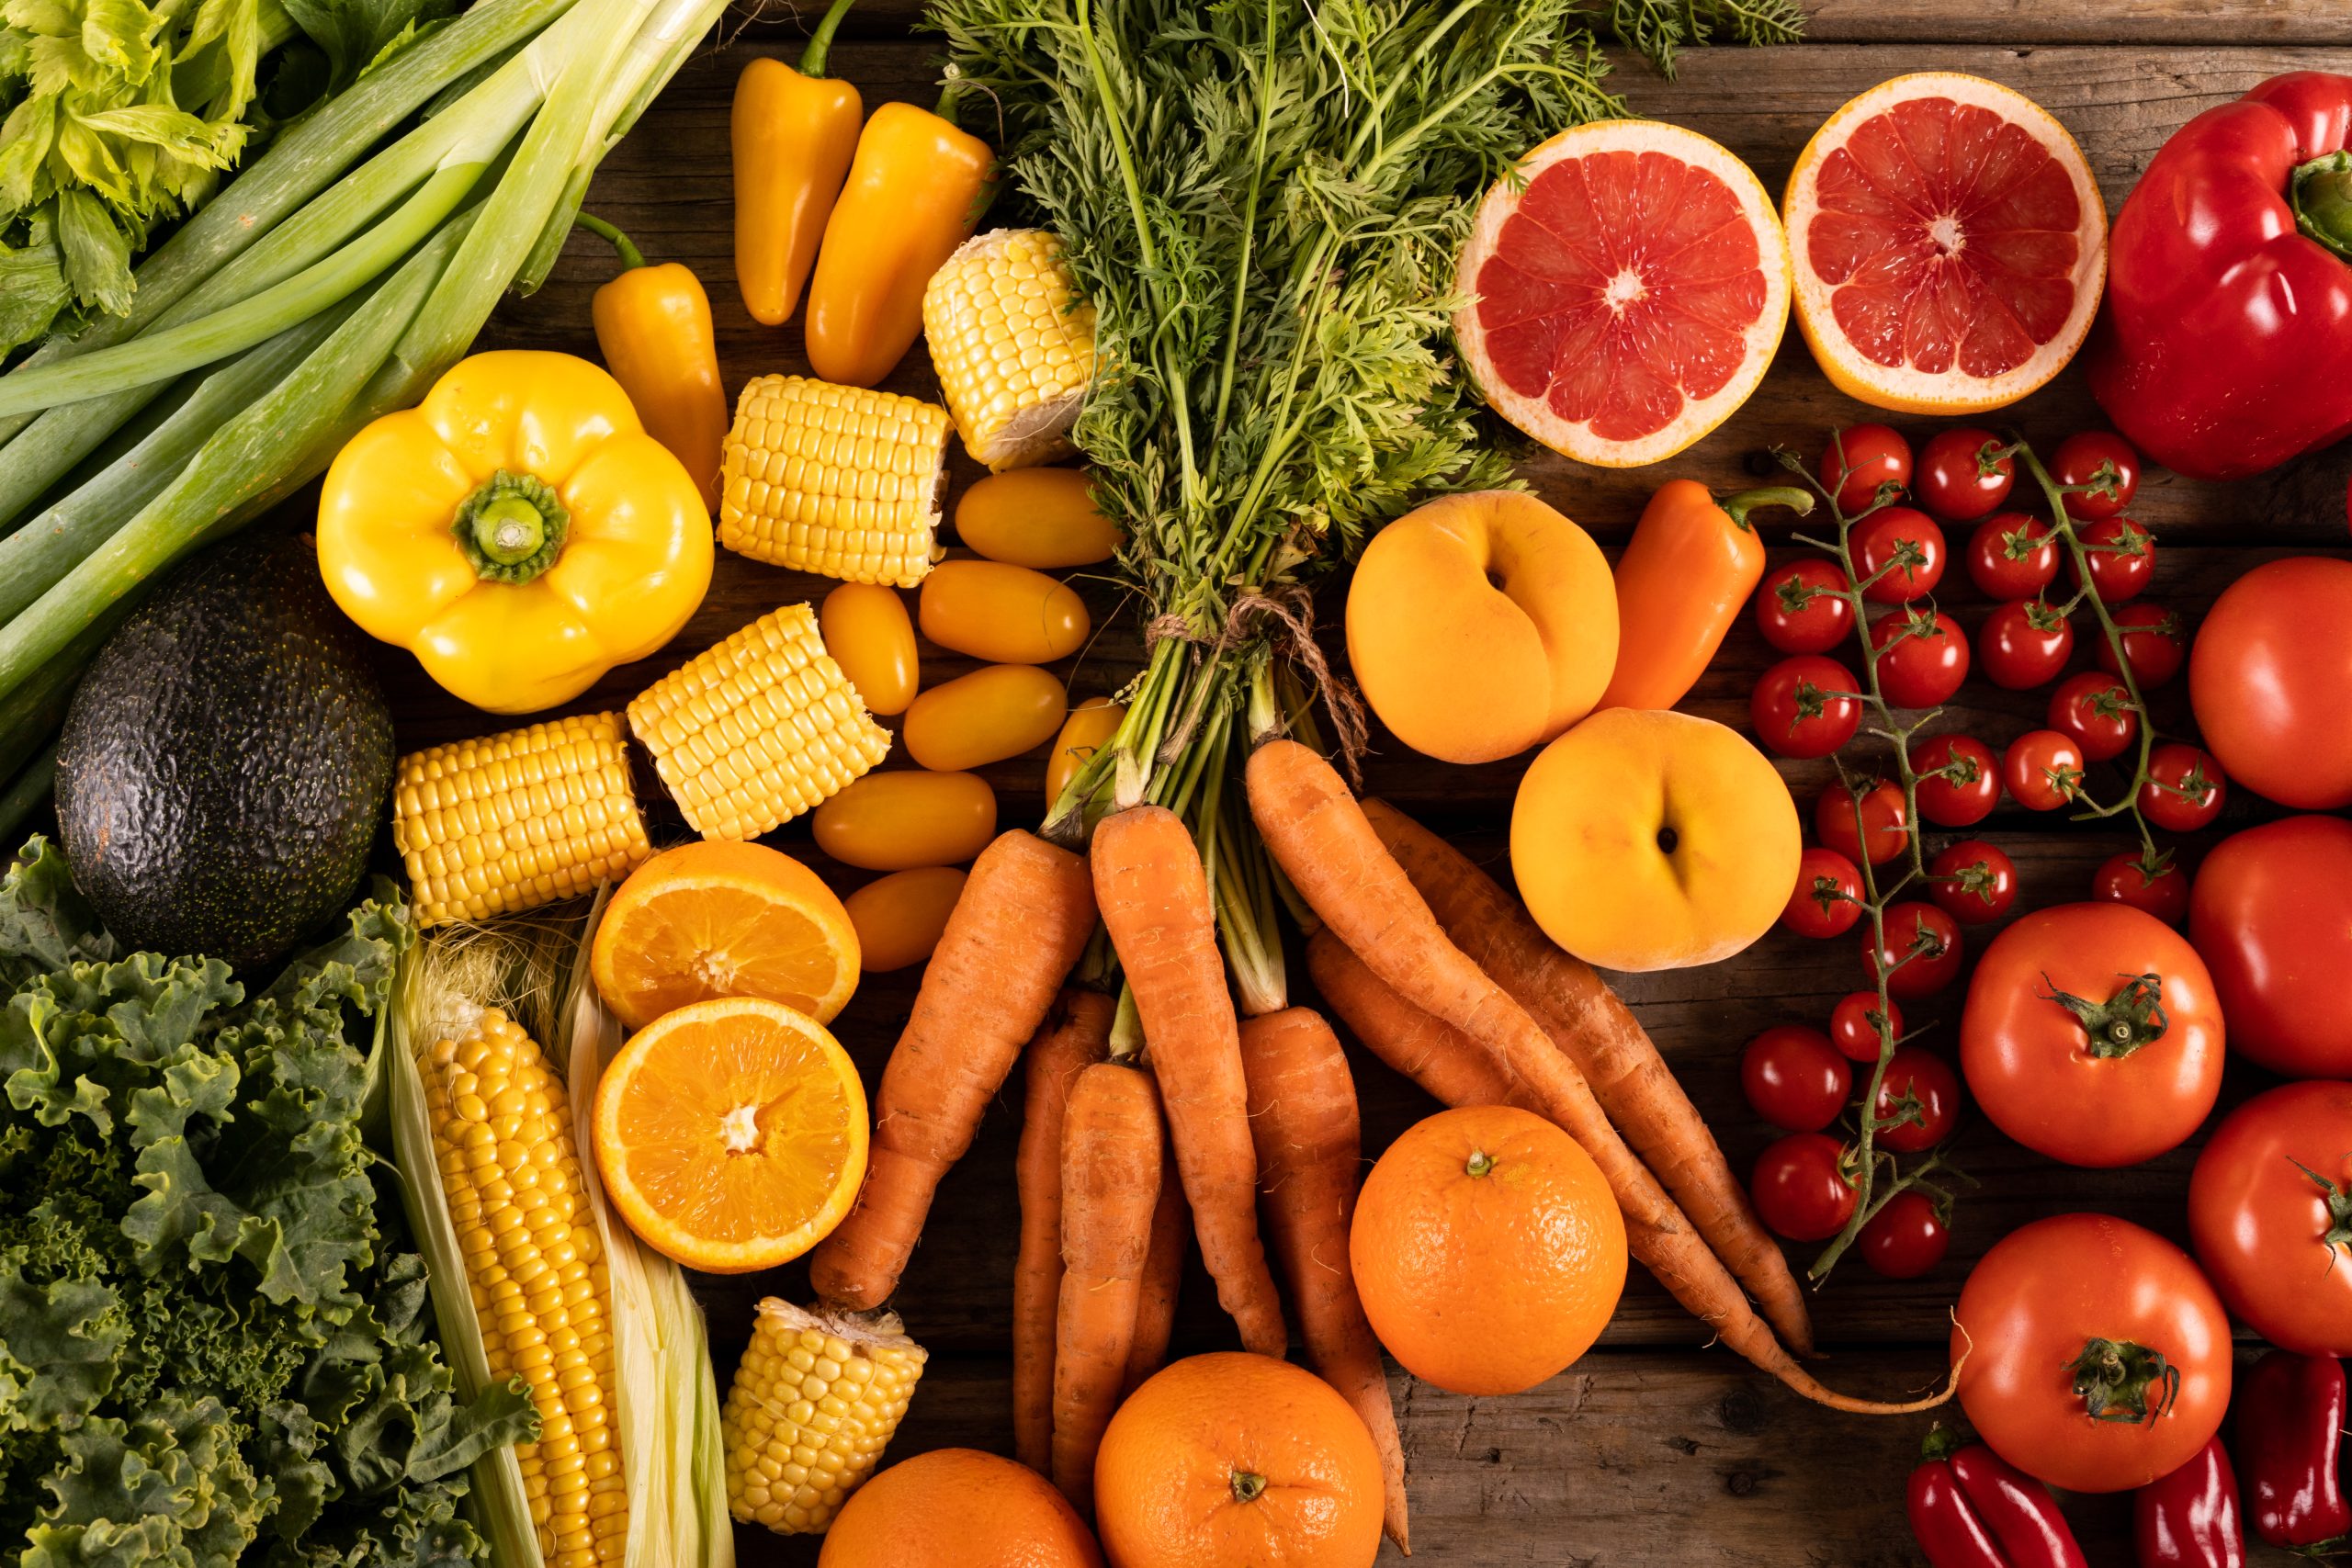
1626,291
1950,244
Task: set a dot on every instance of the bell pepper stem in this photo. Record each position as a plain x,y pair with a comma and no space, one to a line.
512,527
1738,507
631,257
2321,193
820,42
951,100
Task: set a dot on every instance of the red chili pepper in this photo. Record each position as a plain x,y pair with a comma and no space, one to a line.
2289,1411
1970,1508
2189,1519
2226,344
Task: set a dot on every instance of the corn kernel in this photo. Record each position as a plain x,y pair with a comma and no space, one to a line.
813,1403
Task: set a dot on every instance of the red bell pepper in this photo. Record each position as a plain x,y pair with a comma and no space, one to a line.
1970,1508
2289,1411
2189,1519
2225,346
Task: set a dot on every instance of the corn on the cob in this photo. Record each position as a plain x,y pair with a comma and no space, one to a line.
755,730
1013,344
839,481
502,1136
814,1402
515,820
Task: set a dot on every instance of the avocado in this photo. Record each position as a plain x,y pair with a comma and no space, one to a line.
225,761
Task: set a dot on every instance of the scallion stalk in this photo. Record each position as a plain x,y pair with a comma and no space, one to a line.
26,791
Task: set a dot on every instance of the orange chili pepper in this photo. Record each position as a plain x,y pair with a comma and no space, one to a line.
793,134
916,191
653,329
1681,584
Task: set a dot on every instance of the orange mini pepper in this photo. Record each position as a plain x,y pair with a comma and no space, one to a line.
793,134
916,191
653,329
1680,583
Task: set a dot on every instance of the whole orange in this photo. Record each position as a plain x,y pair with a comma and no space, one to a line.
1236,1460
962,1506
1488,1249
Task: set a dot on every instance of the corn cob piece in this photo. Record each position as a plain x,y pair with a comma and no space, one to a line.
517,821
502,1136
1013,343
755,730
840,481
813,1404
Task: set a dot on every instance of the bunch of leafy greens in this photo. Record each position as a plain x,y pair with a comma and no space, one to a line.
1264,200
212,1350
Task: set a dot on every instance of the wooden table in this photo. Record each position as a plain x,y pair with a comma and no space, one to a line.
1655,1449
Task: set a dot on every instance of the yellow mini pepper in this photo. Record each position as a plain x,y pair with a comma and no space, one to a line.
518,531
793,134
653,329
916,191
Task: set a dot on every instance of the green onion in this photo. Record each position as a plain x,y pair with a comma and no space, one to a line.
26,792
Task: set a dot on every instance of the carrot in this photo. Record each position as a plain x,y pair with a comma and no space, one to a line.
1303,1120
1322,839
1111,1177
1155,901
1073,1038
1023,919
1408,1040
1601,1035
1163,1271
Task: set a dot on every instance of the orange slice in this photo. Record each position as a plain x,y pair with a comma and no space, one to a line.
724,919
1949,242
732,1134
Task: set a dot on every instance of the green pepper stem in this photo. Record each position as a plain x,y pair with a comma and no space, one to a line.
821,42
631,257
512,527
1738,507
2320,193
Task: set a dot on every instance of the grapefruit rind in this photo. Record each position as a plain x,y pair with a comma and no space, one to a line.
1762,336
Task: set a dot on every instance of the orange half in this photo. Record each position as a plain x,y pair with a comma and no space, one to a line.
732,1134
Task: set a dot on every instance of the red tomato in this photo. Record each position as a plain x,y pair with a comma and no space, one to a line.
2102,459
1805,707
2269,1219
2024,644
1853,1025
2271,912
1958,781
2044,1319
1920,1094
2153,640
1800,1187
1923,658
1921,953
1964,473
2123,556
1827,898
1858,459
1843,820
1892,535
2012,556
1974,882
1907,1238
1803,607
1794,1077
2095,712
2125,879
2271,681
2042,769
2183,789
2092,1035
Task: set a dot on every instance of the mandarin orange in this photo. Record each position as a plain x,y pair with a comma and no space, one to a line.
958,1506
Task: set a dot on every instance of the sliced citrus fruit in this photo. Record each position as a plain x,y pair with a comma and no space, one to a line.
1626,291
724,919
732,1134
1950,244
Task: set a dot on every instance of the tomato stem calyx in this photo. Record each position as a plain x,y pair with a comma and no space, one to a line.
2114,1376
2339,1208
2127,1021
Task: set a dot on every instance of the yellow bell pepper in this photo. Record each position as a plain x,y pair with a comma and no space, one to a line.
519,531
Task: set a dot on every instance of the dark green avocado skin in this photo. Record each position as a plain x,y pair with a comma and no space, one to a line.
226,757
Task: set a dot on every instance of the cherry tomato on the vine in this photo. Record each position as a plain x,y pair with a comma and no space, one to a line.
1920,953
2123,556
1960,477
1974,882
1843,818
1794,1077
1853,1025
1926,1081
2155,639
1827,898
1858,459
2125,879
1801,1189
1923,657
2012,556
2042,769
2095,712
1802,608
2097,458
1959,780
2183,789
1907,1238
1905,540
1806,706
2024,644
